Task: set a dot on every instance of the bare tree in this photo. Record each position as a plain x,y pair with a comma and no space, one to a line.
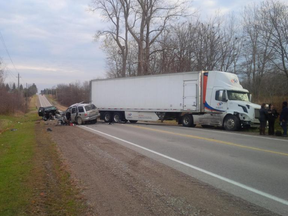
9,101
211,45
151,19
256,51
68,94
142,20
275,29
216,44
146,37
1,72
114,12
113,58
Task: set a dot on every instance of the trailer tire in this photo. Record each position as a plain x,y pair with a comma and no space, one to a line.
132,121
231,123
108,117
187,121
117,117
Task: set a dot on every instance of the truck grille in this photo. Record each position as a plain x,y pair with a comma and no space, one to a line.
257,113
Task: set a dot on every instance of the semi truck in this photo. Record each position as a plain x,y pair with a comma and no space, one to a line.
206,98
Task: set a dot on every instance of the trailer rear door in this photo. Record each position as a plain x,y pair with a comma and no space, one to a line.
190,95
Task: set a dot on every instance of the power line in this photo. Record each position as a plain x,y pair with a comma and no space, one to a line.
4,44
7,74
3,41
13,75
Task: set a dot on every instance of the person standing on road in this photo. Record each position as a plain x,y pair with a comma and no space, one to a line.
272,116
284,118
263,119
68,117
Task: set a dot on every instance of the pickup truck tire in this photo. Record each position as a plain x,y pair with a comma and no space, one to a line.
187,121
108,117
231,123
79,121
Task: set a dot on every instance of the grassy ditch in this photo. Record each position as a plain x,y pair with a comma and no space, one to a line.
17,143
33,178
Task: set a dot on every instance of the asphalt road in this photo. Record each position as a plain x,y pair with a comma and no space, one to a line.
43,101
251,167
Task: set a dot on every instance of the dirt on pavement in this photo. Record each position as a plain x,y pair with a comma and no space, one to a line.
116,180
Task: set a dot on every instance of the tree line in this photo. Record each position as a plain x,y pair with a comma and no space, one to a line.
68,94
14,99
156,37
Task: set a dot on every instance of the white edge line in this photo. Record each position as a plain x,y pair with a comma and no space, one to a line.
269,196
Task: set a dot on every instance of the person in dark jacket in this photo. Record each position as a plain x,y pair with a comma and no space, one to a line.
68,117
272,116
284,118
263,119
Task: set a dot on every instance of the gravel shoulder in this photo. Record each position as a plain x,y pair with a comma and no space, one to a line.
119,181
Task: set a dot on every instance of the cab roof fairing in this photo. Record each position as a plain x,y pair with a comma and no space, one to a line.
227,81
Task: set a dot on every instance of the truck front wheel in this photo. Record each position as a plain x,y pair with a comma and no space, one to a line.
187,121
231,123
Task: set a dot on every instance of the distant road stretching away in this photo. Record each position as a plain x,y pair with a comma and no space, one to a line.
43,101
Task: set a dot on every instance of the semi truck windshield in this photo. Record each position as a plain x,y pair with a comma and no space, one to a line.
236,95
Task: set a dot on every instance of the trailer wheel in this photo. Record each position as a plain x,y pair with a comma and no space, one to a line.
117,117
132,121
231,123
108,117
187,121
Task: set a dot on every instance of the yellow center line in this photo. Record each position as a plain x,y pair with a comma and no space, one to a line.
211,140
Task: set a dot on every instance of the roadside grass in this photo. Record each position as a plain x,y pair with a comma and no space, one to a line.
33,178
16,153
5,122
55,193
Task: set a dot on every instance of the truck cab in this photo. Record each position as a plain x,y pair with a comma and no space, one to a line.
227,103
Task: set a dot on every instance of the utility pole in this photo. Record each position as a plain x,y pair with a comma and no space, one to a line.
18,80
26,97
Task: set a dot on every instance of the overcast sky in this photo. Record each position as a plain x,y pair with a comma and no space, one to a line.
51,41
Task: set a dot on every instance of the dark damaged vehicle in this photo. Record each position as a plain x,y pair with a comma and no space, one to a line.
47,112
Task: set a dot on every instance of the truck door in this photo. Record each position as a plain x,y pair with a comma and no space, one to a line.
190,95
219,100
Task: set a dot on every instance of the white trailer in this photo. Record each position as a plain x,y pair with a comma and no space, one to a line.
210,98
